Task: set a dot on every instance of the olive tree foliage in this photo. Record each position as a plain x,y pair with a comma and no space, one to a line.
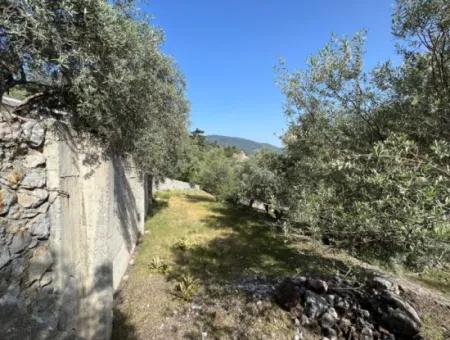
261,178
102,64
367,153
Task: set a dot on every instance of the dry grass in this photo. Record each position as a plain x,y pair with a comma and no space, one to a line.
193,238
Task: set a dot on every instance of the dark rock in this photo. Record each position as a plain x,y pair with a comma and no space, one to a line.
287,294
318,286
399,323
341,304
329,333
396,302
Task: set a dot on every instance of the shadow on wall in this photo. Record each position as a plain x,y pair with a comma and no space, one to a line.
63,315
127,210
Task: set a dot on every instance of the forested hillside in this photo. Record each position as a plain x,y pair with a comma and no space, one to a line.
248,146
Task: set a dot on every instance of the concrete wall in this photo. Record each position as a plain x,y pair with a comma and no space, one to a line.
95,213
173,184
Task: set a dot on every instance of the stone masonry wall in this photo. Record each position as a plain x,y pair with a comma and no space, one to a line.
70,217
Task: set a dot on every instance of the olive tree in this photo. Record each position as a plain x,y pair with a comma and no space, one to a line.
101,64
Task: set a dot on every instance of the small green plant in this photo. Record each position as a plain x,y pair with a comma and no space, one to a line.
185,244
186,287
157,265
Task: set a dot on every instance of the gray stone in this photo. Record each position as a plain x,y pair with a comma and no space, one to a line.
7,198
34,179
40,227
329,318
20,241
5,132
34,242
46,279
40,262
33,133
315,304
34,159
17,267
32,198
366,333
5,257
383,283
15,212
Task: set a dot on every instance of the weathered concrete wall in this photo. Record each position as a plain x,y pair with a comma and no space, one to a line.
69,225
173,184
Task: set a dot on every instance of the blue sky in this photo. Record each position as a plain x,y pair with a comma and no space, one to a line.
227,50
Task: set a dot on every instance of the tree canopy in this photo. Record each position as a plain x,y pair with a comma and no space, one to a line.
101,63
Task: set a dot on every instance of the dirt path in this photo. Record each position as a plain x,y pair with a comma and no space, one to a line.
207,271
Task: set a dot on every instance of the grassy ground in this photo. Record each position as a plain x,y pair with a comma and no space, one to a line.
201,270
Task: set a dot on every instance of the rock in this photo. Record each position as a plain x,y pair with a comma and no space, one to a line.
330,298
365,313
40,227
17,268
383,283
341,304
40,262
33,133
34,159
20,241
318,286
366,333
5,257
6,133
315,304
34,242
32,198
46,279
396,302
399,323
305,321
329,333
7,198
11,177
15,212
328,319
34,179
287,294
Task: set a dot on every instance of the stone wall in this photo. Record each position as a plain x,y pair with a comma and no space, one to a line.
70,217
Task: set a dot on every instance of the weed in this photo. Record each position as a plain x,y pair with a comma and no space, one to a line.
186,287
157,265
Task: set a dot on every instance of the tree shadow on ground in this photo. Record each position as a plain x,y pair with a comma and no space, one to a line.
157,206
123,329
253,246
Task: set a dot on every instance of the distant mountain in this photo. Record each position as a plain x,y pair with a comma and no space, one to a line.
248,146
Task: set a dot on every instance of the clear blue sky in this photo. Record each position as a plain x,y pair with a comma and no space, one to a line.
227,50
